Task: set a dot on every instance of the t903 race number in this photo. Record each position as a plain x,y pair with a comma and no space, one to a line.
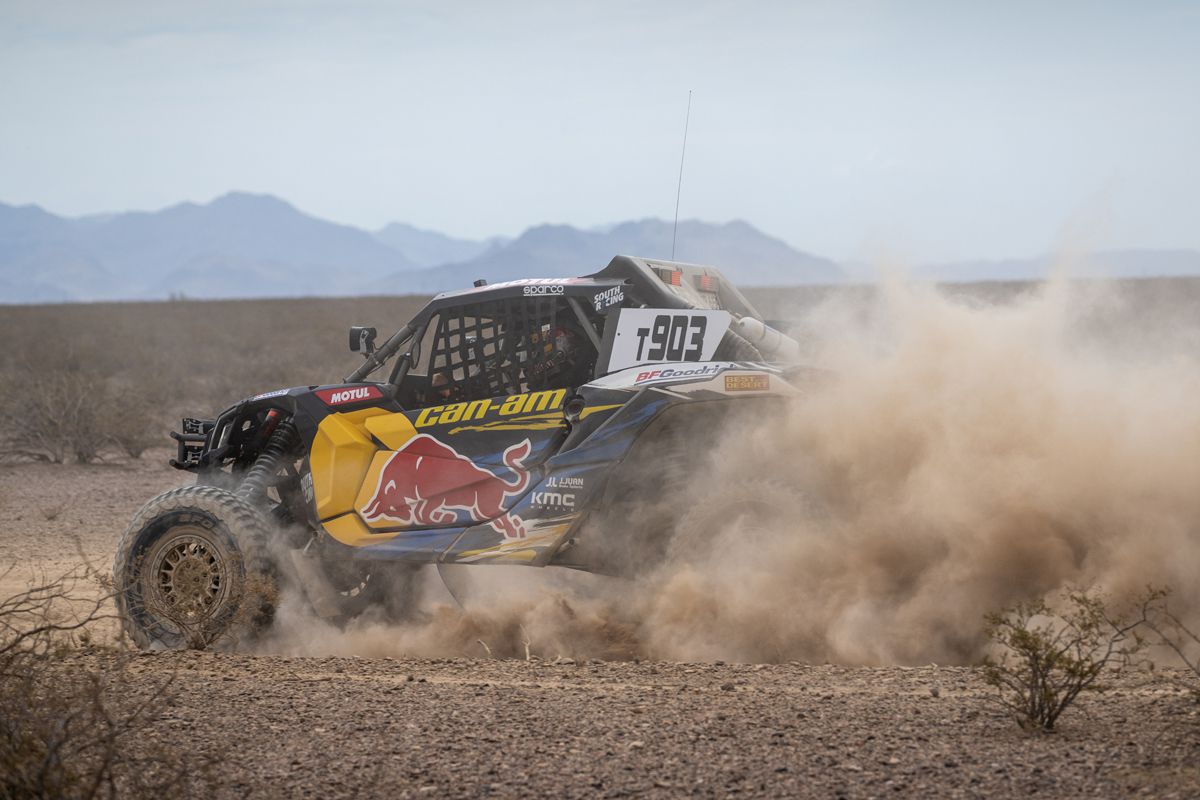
673,337
663,335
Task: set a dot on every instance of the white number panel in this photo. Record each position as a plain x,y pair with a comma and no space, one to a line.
655,335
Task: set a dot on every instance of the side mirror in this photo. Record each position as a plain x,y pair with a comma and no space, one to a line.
362,340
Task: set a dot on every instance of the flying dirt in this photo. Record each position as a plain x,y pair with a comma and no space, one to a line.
950,452
956,457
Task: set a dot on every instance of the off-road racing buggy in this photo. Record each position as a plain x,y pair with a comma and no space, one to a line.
542,422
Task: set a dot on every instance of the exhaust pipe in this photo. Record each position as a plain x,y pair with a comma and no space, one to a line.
773,344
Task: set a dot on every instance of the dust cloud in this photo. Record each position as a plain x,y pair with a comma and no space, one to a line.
960,454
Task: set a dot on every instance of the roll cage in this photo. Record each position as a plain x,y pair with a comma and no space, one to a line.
506,337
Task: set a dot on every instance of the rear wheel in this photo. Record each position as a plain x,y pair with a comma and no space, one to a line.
192,568
387,588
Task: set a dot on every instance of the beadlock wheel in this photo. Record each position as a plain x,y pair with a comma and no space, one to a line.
188,573
183,570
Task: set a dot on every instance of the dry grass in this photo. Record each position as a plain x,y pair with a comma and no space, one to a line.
105,380
72,731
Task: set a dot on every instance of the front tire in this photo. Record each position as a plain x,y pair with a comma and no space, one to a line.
192,568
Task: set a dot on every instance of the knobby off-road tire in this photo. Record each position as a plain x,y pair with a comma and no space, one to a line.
193,567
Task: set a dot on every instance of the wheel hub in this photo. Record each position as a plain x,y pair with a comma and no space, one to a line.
191,576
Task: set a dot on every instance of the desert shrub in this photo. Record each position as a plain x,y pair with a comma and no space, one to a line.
63,413
75,731
94,378
52,416
1048,657
131,416
1167,630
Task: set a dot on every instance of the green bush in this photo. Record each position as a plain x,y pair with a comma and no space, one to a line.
1047,657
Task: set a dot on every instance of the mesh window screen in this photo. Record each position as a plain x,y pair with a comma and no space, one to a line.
496,348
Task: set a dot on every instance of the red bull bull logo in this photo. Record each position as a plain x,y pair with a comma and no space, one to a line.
427,483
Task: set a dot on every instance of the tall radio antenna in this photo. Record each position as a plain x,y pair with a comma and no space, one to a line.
679,187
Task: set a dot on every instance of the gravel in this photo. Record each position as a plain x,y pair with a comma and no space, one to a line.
349,727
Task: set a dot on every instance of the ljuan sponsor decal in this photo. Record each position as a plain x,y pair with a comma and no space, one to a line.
560,482
428,483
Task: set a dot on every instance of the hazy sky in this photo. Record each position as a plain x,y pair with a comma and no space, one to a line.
937,130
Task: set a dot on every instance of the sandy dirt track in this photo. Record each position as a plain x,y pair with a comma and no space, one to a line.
326,727
347,727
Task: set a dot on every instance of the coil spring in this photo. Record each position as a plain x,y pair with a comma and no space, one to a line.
282,440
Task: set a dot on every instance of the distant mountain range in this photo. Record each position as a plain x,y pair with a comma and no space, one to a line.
246,245
239,245
746,255
430,248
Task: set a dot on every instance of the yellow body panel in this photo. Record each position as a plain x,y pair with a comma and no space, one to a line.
350,530
341,452
394,430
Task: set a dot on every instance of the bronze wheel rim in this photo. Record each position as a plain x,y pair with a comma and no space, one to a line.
188,575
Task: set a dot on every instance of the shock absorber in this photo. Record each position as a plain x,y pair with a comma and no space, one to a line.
281,441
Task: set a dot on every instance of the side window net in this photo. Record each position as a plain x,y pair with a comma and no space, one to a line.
495,348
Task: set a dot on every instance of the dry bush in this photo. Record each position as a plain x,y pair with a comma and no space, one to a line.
1049,657
1169,631
112,378
78,731
51,417
63,413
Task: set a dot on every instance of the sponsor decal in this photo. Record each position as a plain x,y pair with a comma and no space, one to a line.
747,383
306,485
559,500
532,291
492,408
677,373
429,483
265,395
349,394
608,298
533,282
559,482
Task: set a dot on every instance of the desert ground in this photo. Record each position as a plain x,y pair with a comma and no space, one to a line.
347,724
280,726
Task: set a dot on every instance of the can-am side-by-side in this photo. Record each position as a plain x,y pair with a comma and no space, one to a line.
526,422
